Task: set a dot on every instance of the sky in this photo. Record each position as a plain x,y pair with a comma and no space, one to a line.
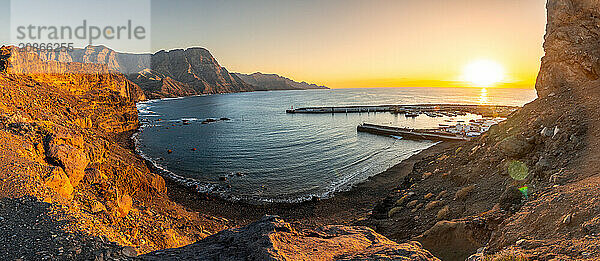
356,43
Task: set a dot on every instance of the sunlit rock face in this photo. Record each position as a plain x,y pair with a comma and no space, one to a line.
175,73
572,45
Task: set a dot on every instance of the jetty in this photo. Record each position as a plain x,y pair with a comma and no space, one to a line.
484,110
410,134
344,109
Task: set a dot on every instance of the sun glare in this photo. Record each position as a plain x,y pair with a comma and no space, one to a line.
483,73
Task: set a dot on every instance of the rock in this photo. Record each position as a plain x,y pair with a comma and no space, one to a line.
547,132
441,195
273,239
60,182
94,176
275,82
73,160
124,206
555,132
542,164
394,211
444,213
433,204
514,146
450,240
427,175
429,195
511,199
129,251
412,203
567,219
464,192
97,207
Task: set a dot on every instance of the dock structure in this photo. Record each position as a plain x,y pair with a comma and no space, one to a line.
345,109
409,134
484,110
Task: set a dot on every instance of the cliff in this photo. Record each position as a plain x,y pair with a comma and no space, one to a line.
164,74
64,131
528,187
176,73
267,82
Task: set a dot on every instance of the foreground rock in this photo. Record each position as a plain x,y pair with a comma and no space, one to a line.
273,239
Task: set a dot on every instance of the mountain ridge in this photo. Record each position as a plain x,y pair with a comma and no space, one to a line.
271,81
177,72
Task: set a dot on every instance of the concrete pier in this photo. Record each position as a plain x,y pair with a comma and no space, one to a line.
409,134
484,110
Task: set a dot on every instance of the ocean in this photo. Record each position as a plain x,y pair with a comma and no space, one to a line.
261,154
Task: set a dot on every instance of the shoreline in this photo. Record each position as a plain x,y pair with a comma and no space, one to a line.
343,208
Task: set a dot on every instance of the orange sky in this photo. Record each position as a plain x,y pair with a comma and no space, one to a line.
359,43
408,43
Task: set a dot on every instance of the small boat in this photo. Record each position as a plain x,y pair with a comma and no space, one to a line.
411,115
396,137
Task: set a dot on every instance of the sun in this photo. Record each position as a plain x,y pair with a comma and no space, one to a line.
483,73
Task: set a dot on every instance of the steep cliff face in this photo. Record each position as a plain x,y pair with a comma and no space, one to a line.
571,45
530,184
173,73
197,68
63,140
267,82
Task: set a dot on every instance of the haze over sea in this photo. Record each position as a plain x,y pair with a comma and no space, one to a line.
267,155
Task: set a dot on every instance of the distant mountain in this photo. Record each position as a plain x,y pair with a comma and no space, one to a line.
177,73
269,82
164,74
187,72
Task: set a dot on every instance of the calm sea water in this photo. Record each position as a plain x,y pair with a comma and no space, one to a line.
267,155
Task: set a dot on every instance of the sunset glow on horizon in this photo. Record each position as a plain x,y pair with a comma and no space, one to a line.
358,43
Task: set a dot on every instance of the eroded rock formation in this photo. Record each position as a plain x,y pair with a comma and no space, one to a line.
273,239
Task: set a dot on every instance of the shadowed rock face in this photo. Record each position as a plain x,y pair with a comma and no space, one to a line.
273,239
572,46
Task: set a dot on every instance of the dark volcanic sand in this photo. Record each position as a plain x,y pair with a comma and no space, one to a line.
344,208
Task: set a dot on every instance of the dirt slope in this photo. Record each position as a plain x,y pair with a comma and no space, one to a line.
530,185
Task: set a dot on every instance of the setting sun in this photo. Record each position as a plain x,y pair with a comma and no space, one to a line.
483,73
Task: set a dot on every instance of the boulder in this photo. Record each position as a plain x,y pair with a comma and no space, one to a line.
271,238
450,240
73,161
124,206
58,181
514,146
